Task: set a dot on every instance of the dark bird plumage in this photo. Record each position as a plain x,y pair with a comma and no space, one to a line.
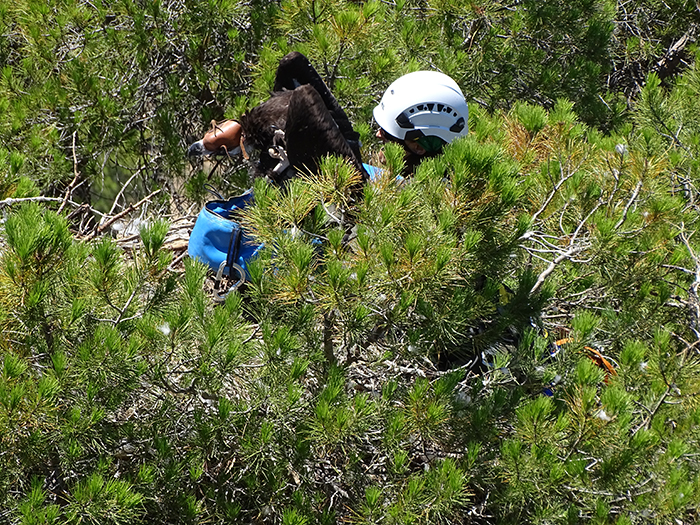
301,121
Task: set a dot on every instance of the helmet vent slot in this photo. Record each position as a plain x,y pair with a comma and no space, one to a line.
403,121
457,126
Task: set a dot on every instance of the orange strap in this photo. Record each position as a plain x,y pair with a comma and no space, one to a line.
596,356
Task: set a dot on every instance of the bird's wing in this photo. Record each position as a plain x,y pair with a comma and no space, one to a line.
295,70
312,132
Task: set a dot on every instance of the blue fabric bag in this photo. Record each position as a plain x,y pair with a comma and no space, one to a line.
218,240
375,173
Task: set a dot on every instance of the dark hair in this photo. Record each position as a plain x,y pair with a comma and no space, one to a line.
389,137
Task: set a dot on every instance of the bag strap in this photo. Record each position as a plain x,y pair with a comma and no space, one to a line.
234,247
211,189
230,263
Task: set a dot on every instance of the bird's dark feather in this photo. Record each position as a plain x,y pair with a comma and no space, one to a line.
304,108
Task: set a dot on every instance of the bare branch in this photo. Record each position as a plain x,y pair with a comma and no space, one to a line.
629,203
121,191
13,201
76,173
552,194
566,255
102,227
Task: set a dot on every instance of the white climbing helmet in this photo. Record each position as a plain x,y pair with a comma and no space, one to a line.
423,103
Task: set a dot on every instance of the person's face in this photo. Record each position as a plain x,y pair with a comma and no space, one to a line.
384,136
410,145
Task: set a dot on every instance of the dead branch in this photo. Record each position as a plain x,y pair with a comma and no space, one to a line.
566,255
102,227
121,191
76,176
629,204
14,201
693,298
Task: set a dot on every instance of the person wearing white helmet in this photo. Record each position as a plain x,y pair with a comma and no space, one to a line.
423,110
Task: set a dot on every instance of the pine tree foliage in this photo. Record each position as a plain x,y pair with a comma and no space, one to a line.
116,90
510,335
